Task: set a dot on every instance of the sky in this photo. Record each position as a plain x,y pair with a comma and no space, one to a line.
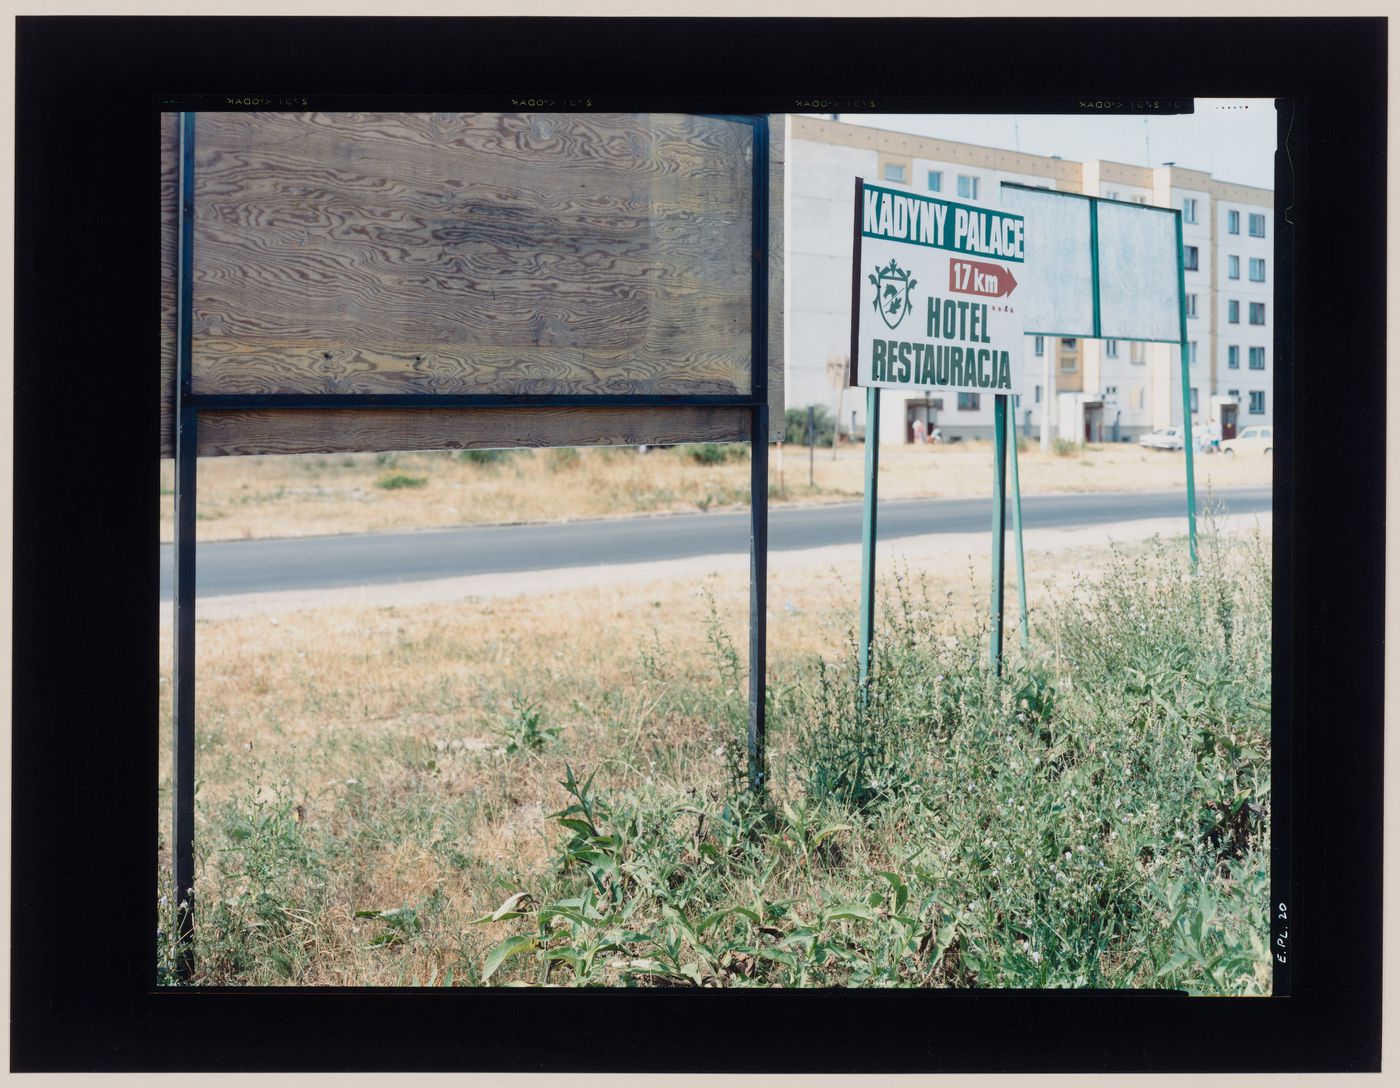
1231,139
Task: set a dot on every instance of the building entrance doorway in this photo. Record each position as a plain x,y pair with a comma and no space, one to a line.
1228,417
1093,421
924,411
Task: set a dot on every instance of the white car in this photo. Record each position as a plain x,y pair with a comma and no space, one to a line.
1250,440
1165,438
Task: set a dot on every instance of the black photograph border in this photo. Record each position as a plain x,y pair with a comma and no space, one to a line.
85,576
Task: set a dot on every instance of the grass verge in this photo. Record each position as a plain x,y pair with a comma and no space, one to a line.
499,795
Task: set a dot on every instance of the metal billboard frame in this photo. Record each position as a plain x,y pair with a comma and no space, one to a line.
1096,333
189,405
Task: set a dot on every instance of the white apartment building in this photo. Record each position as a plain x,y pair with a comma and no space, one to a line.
1081,389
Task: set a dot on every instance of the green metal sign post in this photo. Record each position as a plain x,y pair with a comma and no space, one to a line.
1016,532
867,533
1187,440
998,531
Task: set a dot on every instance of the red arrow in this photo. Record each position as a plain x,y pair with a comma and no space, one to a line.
980,278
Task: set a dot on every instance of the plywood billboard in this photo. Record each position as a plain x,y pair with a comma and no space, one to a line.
383,254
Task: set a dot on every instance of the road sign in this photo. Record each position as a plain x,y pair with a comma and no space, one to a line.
935,300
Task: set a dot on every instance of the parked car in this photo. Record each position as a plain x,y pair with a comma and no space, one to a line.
1164,438
1250,440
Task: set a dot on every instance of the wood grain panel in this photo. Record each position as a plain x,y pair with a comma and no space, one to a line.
375,430
490,253
417,240
777,340
169,262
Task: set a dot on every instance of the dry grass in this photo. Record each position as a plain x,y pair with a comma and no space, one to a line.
258,497
380,729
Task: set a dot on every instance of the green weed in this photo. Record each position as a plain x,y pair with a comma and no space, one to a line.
395,481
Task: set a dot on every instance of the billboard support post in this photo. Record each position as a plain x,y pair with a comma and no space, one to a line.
758,596
186,477
1187,440
867,533
1016,530
998,531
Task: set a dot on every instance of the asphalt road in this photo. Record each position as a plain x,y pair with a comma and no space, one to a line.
325,562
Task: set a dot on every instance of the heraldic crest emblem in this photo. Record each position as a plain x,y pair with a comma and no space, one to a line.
893,286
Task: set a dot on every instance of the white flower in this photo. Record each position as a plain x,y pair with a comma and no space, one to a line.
1069,855
1035,957
720,751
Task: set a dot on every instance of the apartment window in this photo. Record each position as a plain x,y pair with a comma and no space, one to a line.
1256,313
1139,398
1069,362
1137,353
1256,402
1191,353
1233,263
1111,194
1232,311
967,187
894,171
1037,394
1193,259
1194,405
1256,269
1110,348
1188,210
1232,222
935,181
969,402
1256,226
1110,391
1232,357
1039,346
1190,305
1256,358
